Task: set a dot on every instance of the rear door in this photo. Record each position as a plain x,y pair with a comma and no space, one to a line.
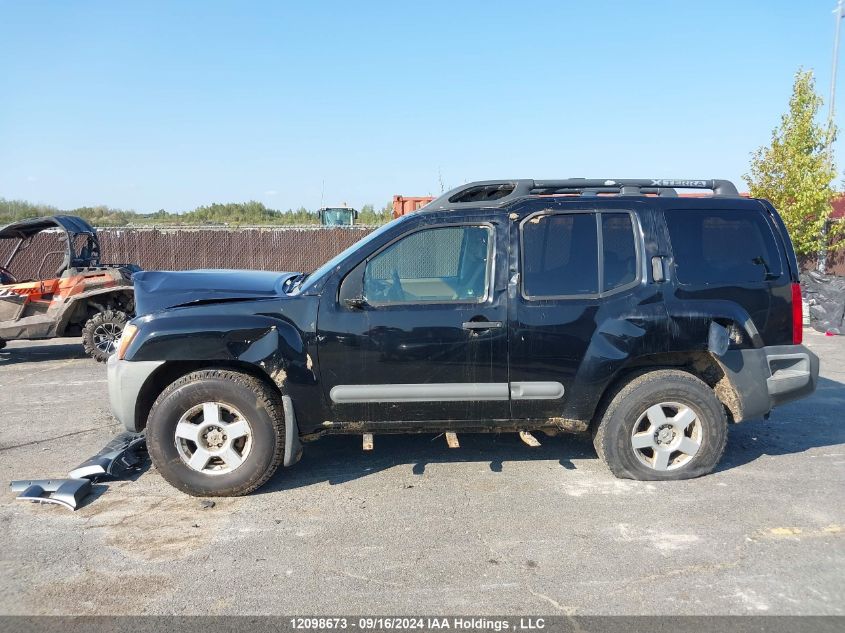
578,269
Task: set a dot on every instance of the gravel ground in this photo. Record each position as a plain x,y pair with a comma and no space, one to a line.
413,527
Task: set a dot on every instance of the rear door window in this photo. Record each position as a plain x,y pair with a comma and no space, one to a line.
619,251
578,254
560,255
722,246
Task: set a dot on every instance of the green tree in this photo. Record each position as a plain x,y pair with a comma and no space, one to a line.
368,215
796,170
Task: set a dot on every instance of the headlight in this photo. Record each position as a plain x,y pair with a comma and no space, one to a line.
126,337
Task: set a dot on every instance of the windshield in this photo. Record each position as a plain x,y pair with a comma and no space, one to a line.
337,217
326,268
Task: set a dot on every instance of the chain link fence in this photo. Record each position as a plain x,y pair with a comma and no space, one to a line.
300,249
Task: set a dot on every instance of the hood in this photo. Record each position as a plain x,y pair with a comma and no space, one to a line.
157,289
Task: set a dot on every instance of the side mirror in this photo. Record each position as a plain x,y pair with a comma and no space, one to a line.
356,303
351,292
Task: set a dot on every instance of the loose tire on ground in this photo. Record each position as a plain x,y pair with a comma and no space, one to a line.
636,433
199,412
101,333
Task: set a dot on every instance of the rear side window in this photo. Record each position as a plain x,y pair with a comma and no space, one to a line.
619,251
722,247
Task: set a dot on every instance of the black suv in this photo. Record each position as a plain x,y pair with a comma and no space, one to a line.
611,307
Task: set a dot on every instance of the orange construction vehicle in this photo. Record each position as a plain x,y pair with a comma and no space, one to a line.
403,205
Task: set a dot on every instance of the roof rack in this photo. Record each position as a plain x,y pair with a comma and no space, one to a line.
500,192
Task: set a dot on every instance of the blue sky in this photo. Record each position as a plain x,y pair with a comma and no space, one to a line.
152,105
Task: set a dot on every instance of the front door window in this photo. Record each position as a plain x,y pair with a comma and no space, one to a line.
442,265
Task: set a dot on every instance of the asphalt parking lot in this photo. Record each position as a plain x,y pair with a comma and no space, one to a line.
414,527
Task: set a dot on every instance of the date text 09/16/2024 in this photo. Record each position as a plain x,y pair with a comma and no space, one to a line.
419,623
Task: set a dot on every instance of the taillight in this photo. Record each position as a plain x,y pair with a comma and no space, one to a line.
797,315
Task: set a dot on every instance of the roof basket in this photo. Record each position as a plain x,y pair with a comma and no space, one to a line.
500,192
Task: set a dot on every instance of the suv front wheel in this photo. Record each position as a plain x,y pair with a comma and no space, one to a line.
662,425
216,433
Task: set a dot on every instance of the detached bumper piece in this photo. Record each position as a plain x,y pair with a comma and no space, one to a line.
68,493
115,459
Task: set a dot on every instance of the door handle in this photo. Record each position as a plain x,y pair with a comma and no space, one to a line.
658,269
481,325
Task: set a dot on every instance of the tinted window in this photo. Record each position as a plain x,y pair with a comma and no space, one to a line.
560,255
445,264
722,247
619,250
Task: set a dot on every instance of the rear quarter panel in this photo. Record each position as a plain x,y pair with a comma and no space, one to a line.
761,311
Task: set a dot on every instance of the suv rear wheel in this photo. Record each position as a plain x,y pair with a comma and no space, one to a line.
216,433
102,332
662,425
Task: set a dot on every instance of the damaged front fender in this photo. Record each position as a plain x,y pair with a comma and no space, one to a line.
273,337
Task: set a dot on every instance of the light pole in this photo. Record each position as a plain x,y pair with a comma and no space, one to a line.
839,13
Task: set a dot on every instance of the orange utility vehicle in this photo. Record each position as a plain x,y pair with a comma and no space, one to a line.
53,284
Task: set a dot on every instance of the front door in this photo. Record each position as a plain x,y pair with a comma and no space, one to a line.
417,331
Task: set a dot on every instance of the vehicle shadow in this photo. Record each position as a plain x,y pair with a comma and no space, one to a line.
338,459
40,353
794,428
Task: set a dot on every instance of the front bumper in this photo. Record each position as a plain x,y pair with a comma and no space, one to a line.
125,380
767,377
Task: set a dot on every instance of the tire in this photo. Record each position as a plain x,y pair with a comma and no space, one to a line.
179,422
101,333
663,413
